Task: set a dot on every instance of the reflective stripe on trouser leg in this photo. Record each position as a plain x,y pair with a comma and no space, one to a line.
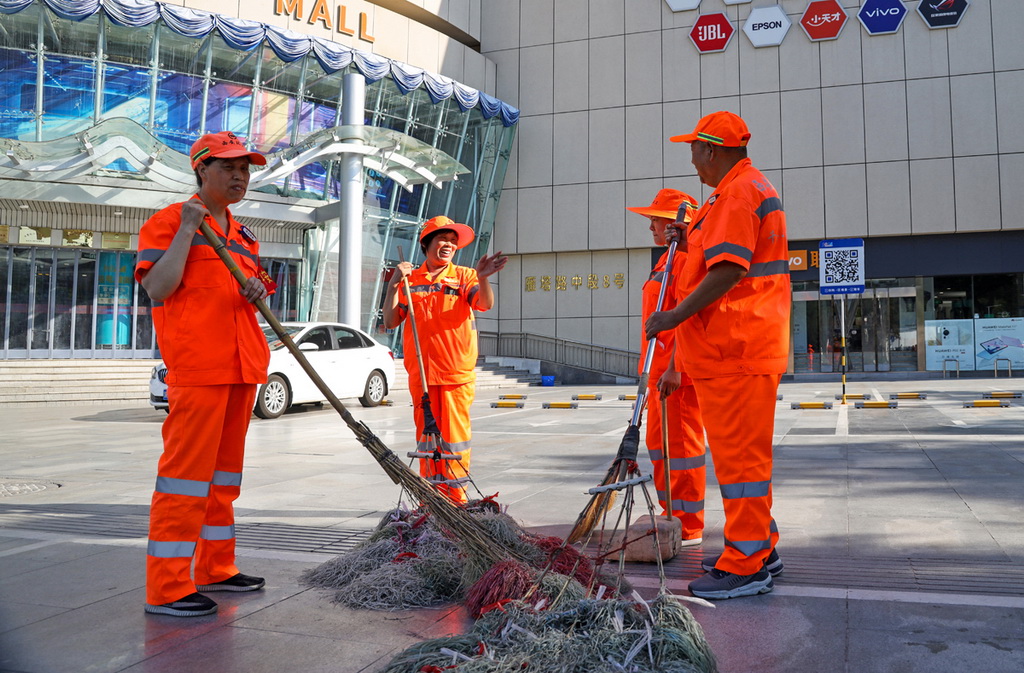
215,553
450,406
191,432
686,456
739,416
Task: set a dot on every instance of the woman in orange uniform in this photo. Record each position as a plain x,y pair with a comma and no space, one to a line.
444,296
685,432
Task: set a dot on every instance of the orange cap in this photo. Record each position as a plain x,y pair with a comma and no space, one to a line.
718,128
223,145
436,224
668,203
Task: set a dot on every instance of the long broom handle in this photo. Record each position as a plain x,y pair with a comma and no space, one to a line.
666,460
641,391
412,324
261,306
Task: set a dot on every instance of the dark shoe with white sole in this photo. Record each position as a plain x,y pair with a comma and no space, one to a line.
718,584
193,605
773,563
239,582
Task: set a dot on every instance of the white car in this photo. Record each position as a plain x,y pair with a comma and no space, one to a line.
350,362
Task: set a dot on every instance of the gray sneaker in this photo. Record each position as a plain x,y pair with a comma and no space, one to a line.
773,563
718,584
193,605
237,582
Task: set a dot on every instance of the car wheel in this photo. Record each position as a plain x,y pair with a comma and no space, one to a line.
274,398
374,391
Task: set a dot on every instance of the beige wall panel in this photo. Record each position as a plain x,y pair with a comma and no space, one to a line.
492,82
845,196
843,124
570,216
798,60
680,69
614,331
1007,18
888,201
474,70
927,52
460,15
841,59
539,303
885,121
575,329
644,142
536,66
498,31
506,222
640,193
510,290
607,72
607,17
534,230
452,59
977,193
763,115
759,68
1009,104
929,124
608,219
970,43
639,272
572,76
883,55
931,196
719,73
803,197
571,147
535,151
642,16
678,118
670,19
536,22
607,144
974,114
643,68
474,18
393,36
575,300
506,65
801,127
541,327
572,20
1011,186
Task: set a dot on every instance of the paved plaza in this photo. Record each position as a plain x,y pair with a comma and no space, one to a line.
901,531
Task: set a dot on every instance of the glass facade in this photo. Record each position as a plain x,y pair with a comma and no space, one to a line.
63,77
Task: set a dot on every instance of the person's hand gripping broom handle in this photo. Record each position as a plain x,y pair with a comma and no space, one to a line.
261,306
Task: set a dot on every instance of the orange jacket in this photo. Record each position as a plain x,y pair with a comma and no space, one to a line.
747,330
665,343
444,320
206,330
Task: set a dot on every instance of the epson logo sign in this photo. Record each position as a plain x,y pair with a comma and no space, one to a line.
766,25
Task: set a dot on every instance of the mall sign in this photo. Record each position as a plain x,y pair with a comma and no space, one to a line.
767,26
942,13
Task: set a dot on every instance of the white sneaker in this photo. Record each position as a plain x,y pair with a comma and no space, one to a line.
692,542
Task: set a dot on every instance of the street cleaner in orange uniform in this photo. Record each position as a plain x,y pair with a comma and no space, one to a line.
216,355
732,331
444,296
686,470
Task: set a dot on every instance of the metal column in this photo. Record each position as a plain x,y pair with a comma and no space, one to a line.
350,226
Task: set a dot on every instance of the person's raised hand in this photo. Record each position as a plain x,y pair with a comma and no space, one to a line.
488,266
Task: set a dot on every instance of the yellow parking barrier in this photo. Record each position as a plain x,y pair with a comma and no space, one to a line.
631,396
507,405
811,405
908,396
587,396
854,396
511,396
386,403
1001,395
560,405
876,404
986,403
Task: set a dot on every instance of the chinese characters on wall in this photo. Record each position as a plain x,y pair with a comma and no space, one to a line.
558,283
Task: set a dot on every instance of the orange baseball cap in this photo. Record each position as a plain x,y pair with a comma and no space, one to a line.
725,129
436,224
667,203
223,145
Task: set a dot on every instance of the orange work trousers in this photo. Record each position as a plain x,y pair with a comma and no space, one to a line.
450,406
739,418
199,476
686,469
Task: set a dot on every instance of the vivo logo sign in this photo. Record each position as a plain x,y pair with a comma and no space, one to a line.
881,17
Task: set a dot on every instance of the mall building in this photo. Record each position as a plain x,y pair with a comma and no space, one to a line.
887,122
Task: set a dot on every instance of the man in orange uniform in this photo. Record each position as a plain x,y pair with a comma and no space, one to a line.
444,297
733,335
686,470
215,354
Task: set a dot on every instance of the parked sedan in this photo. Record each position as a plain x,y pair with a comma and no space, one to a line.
347,359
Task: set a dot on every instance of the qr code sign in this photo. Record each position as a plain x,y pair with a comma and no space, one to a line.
841,266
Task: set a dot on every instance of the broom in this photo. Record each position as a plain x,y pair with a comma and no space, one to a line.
468,532
625,460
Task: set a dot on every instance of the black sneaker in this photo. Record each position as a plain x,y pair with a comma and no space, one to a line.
773,563
193,605
239,582
719,584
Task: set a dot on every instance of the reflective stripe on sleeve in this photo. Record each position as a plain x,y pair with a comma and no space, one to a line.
227,478
151,254
770,205
218,532
728,249
779,267
747,489
172,486
171,549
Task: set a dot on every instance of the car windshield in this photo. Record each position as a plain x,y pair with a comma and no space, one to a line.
273,341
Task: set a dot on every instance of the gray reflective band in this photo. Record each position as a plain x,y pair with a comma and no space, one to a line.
728,249
749,547
218,532
658,276
688,506
774,527
151,254
232,246
770,205
472,293
177,549
227,478
436,287
747,489
691,463
779,267
158,304
172,486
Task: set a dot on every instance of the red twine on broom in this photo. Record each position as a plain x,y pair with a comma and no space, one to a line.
403,556
506,580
